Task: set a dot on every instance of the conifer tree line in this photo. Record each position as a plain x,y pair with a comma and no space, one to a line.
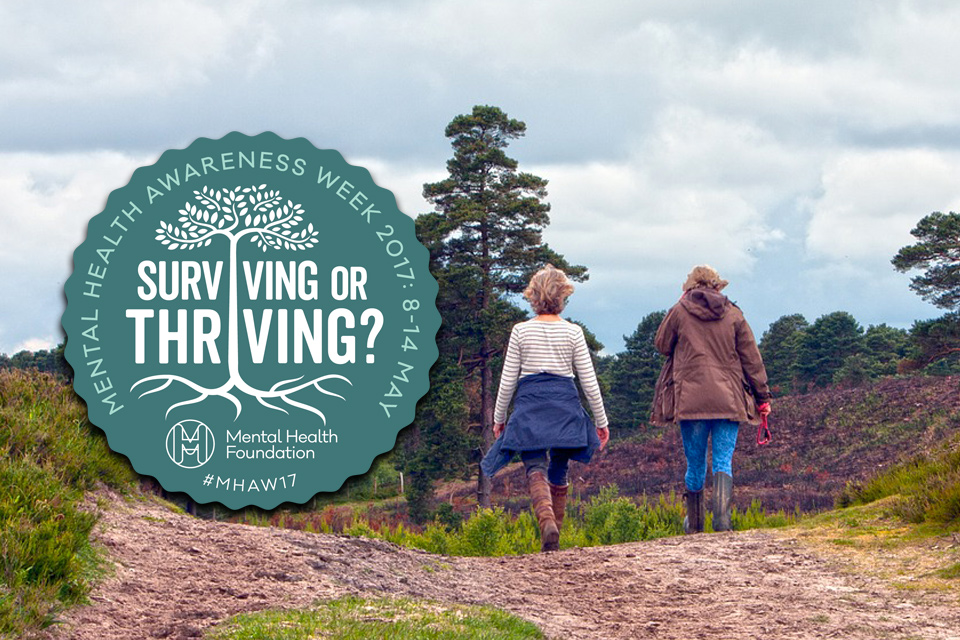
833,350
46,360
485,238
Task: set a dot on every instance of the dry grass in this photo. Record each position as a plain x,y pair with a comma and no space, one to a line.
870,540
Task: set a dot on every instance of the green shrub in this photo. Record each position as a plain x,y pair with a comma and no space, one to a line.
49,455
606,518
926,488
360,527
521,535
352,618
610,519
481,535
43,421
755,518
448,516
436,539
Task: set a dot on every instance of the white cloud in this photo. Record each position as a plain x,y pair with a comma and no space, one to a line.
699,189
796,139
694,147
36,344
872,199
46,203
615,215
405,181
110,49
890,74
48,200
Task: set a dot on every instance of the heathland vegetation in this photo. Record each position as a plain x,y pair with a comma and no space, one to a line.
50,457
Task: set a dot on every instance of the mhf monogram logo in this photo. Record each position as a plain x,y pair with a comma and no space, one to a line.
190,444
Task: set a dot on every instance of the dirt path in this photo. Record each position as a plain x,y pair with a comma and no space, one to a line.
177,575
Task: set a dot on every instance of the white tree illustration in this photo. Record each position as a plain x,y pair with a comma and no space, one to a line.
261,215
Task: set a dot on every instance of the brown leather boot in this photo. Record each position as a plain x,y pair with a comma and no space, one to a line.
543,509
559,496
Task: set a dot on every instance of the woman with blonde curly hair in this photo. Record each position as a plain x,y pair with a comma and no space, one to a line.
548,426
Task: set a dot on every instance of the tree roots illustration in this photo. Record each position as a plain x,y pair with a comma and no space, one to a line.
277,392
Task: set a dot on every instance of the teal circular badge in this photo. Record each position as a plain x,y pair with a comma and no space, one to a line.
251,320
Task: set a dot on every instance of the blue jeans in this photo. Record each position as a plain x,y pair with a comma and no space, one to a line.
553,465
695,433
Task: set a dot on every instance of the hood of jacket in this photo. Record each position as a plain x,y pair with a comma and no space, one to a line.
715,368
705,304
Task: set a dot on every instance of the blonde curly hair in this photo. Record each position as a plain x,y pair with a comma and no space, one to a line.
704,276
548,291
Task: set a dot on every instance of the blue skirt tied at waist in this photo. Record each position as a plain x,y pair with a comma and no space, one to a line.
547,414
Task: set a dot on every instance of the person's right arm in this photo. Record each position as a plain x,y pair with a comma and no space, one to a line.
508,381
666,338
752,363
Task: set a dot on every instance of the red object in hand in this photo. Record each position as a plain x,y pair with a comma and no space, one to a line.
763,431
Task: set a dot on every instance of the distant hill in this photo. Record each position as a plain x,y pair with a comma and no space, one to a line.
821,441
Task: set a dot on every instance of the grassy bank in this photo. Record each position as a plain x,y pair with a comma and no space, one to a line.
923,490
903,525
49,456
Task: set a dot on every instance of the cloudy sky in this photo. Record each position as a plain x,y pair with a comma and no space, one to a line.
793,145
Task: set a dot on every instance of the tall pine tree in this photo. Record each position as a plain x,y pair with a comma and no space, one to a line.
937,253
485,239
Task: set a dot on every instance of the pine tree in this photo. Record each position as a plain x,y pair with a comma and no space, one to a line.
938,253
485,239
885,347
825,345
633,375
935,345
436,444
779,347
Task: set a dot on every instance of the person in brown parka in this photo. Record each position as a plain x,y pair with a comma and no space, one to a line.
713,380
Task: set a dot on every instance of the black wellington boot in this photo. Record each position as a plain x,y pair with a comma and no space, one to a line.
693,521
722,501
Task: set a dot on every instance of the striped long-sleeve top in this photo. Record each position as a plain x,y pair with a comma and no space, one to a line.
557,347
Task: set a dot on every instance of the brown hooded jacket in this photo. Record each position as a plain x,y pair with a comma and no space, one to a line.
713,368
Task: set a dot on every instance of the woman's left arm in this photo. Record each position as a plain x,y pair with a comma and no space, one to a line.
588,379
752,362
